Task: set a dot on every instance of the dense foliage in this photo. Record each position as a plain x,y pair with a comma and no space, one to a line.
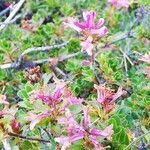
75,75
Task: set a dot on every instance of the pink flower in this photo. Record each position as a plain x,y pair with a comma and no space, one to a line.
15,125
51,100
146,58
84,131
91,30
89,27
107,97
119,3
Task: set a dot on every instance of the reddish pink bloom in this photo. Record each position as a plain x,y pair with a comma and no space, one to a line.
84,131
146,58
91,30
61,84
119,3
107,97
15,126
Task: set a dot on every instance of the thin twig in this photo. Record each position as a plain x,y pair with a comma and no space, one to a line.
35,49
62,58
9,65
48,133
12,14
28,138
58,70
126,56
125,63
11,21
137,139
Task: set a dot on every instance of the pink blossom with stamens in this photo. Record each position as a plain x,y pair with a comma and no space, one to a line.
119,3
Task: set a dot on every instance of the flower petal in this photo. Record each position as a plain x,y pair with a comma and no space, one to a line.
100,32
119,93
103,93
75,101
86,121
100,23
88,46
106,133
35,119
81,25
71,23
64,141
90,19
57,95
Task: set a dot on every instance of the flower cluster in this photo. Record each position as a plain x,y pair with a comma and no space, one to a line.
57,103
84,131
59,111
107,97
90,30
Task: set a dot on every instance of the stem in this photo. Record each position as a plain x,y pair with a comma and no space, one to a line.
28,138
35,49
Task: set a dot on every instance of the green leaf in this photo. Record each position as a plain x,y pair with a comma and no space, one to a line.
23,94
